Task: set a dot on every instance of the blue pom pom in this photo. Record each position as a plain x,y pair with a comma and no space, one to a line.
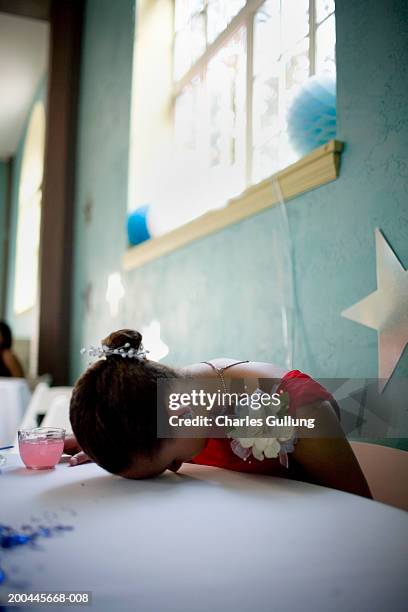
312,115
137,228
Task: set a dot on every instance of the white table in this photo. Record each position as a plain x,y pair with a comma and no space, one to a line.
207,540
14,399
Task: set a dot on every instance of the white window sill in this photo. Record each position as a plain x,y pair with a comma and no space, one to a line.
319,167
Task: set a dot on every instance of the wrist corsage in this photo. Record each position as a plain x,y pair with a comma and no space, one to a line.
258,438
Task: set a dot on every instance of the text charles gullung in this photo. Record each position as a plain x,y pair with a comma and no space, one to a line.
224,420
210,401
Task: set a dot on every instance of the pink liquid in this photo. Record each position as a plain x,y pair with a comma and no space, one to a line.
41,454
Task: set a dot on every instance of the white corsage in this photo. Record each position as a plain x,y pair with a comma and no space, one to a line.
260,439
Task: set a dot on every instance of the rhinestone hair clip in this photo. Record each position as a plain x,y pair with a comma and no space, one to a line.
123,351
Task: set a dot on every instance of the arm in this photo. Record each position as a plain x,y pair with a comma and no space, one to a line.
12,364
327,458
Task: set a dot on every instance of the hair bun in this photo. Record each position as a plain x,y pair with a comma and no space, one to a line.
121,337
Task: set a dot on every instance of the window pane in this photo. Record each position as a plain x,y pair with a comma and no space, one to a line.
323,8
267,44
197,36
210,132
297,70
219,15
233,7
184,10
226,87
297,66
272,96
189,44
182,56
288,154
295,21
325,47
265,123
266,159
186,117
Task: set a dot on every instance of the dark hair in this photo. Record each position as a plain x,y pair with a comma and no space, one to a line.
113,408
6,336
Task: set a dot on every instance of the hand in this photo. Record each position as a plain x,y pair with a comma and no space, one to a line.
71,447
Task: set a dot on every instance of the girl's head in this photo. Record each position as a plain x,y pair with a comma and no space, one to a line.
6,338
113,414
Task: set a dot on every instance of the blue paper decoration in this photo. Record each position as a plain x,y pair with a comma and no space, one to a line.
312,115
137,228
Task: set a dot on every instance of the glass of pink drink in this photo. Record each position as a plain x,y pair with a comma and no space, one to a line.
41,448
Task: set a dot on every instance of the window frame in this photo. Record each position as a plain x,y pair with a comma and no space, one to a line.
317,168
29,202
243,19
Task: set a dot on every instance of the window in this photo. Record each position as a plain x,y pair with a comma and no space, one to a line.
237,69
29,213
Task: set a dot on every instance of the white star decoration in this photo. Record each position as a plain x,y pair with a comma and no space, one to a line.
386,309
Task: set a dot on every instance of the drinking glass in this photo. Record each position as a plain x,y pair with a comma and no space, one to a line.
41,448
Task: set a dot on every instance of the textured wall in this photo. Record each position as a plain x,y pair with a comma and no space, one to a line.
222,295
102,164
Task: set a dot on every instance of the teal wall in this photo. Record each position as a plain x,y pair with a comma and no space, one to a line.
102,164
3,196
222,295
22,325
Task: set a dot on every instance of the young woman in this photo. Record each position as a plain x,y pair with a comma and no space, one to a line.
114,420
9,363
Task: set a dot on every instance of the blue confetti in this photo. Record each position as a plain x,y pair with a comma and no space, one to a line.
44,531
11,538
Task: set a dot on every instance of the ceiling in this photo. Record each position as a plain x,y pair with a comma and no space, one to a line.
23,62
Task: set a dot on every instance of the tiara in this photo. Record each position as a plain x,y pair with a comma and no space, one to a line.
122,351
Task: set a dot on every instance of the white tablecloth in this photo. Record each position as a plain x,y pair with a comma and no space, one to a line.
14,399
206,540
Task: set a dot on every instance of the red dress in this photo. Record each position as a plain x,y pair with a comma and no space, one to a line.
302,390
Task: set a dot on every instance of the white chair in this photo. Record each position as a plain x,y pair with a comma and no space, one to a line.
14,399
41,400
58,414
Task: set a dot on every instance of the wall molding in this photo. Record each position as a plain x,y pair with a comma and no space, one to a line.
319,167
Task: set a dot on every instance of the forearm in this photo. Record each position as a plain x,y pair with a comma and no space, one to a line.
326,456
328,462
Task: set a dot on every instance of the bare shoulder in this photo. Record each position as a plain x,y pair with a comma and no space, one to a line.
251,369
